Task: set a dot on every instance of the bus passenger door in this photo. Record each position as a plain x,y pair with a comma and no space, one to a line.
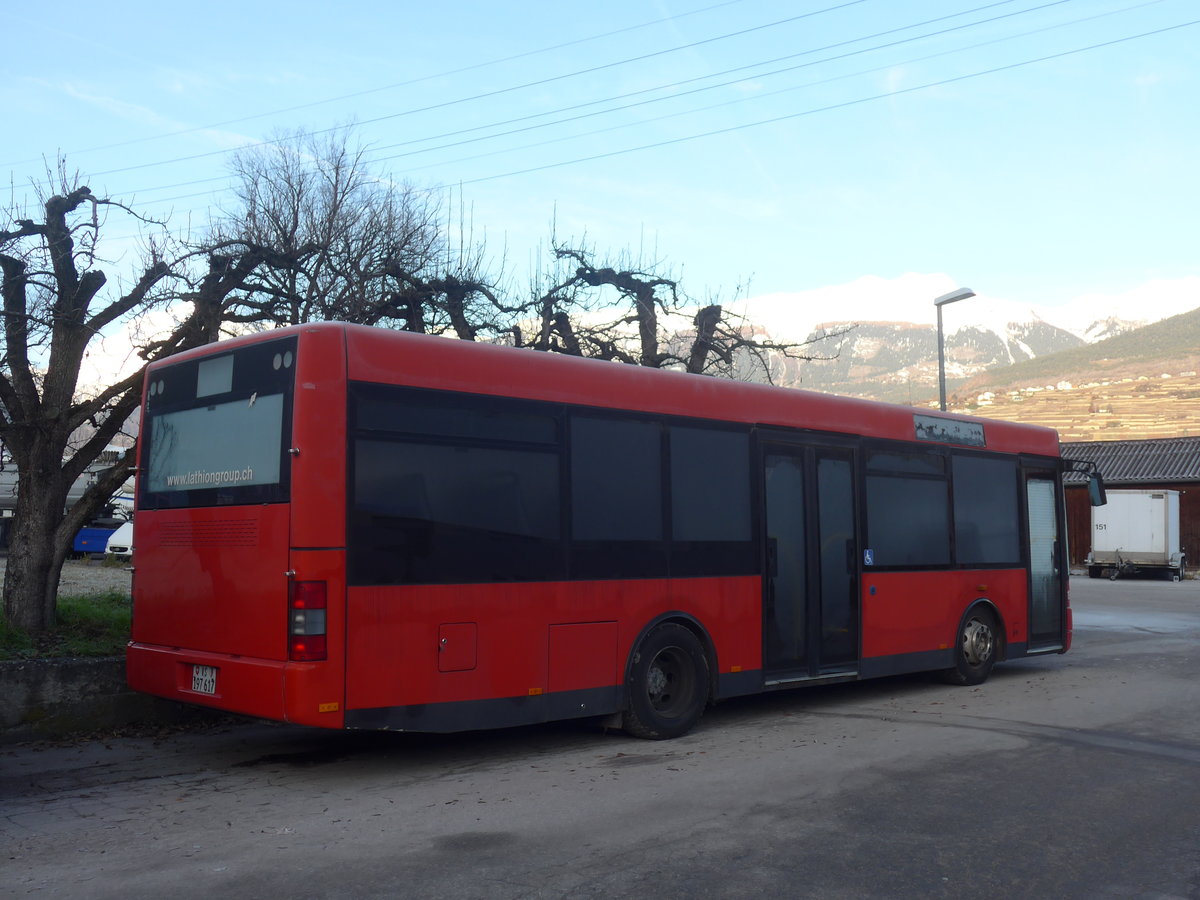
1046,562
810,613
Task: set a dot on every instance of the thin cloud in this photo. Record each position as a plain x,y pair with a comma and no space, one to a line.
143,115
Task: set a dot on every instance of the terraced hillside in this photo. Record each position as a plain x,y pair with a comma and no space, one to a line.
1143,384
1129,408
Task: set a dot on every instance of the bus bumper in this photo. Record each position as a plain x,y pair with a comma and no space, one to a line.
252,687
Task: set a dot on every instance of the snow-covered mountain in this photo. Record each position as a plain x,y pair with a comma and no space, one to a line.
1112,326
904,353
889,345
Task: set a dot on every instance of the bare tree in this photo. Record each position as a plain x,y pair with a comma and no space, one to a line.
369,249
456,295
54,305
375,251
650,321
57,301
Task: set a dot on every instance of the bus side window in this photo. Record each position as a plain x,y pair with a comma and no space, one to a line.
908,509
986,517
617,498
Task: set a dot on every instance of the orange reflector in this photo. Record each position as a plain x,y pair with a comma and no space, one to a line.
735,668
534,692
328,707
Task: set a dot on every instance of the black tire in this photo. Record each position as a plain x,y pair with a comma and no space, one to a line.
668,684
975,652
1094,571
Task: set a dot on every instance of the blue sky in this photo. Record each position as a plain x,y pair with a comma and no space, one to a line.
943,159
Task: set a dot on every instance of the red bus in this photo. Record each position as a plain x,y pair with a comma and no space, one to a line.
351,527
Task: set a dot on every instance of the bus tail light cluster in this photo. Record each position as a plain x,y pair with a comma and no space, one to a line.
307,602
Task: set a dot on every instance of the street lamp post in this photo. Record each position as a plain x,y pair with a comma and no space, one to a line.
953,296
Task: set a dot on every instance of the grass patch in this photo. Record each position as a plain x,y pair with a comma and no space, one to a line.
87,625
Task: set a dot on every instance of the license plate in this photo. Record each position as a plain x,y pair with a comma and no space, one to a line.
204,679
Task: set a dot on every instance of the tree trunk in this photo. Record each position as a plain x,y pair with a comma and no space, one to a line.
647,316
706,322
456,307
36,554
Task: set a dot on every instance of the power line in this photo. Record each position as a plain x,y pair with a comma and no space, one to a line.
400,84
711,87
829,108
686,81
775,93
541,82
793,115
669,86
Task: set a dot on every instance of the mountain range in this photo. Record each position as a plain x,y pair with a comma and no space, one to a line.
897,361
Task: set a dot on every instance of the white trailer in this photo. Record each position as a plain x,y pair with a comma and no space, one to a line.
1136,531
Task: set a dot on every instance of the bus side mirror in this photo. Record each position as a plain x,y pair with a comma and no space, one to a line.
1096,493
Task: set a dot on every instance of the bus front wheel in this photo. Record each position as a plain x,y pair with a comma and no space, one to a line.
975,652
668,684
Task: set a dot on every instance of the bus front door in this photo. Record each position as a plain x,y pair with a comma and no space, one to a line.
810,607
1047,563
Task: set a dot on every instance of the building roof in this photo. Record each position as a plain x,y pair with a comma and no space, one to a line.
1160,461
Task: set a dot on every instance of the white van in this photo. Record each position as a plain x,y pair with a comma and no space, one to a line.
120,542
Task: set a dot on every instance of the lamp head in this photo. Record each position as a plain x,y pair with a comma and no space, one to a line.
957,294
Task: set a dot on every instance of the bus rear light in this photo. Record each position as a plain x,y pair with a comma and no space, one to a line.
311,648
306,621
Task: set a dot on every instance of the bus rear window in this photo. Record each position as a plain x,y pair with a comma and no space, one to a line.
217,429
192,447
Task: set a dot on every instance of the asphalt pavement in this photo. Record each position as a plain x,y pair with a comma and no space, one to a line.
1064,776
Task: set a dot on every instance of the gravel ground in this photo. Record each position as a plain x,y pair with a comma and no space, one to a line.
87,576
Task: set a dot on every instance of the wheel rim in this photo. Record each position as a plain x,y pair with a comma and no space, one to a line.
670,682
978,642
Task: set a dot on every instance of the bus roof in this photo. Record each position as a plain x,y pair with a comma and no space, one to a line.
398,357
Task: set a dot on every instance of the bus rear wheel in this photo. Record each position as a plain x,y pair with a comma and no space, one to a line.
975,652
668,684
